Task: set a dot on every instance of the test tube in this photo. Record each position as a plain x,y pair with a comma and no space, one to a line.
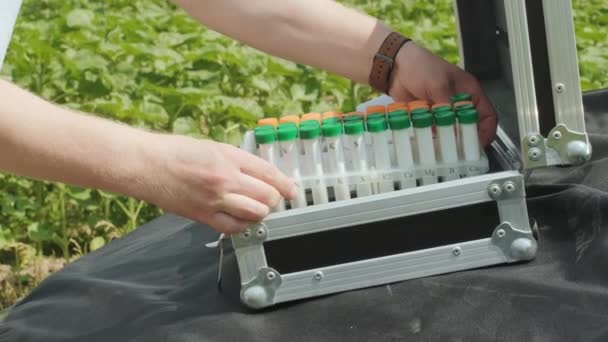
400,125
423,124
287,136
377,129
445,121
467,121
265,138
355,146
312,161
335,159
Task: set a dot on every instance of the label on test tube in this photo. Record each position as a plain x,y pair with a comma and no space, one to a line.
287,136
312,162
400,125
445,121
332,133
423,124
382,161
265,138
355,146
467,121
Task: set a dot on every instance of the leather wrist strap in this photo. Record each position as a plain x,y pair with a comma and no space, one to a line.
384,60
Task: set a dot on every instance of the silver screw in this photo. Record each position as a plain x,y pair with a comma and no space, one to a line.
501,233
318,276
533,140
270,275
559,87
260,232
246,234
557,135
456,251
509,186
495,190
534,154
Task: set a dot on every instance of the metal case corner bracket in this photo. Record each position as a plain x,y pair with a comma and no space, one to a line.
260,291
517,245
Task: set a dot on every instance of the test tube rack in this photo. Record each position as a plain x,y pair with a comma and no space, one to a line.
530,74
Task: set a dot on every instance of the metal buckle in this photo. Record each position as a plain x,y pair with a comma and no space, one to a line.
385,59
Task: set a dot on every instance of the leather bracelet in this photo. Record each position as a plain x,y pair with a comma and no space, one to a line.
384,61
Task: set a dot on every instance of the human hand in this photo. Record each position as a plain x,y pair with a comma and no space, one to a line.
419,74
210,182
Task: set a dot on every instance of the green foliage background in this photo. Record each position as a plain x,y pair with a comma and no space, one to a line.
148,64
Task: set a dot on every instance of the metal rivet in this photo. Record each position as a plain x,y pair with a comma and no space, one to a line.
557,135
456,251
495,190
501,233
509,186
270,275
559,87
246,234
318,276
534,154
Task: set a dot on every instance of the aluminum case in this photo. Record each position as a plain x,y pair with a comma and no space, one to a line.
532,80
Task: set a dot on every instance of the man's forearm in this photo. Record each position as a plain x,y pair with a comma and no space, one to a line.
44,141
321,33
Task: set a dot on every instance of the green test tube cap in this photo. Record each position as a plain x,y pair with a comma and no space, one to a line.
422,120
445,118
419,111
329,121
287,132
353,118
377,125
442,109
331,130
461,97
309,131
354,127
265,136
398,122
465,106
397,112
468,116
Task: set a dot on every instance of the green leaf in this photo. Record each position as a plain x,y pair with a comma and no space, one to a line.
80,18
186,126
37,233
96,243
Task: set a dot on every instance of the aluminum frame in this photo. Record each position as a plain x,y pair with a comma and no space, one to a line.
567,143
263,286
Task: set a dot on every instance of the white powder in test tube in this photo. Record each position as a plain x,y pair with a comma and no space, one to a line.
445,121
423,123
266,140
335,159
309,137
355,141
